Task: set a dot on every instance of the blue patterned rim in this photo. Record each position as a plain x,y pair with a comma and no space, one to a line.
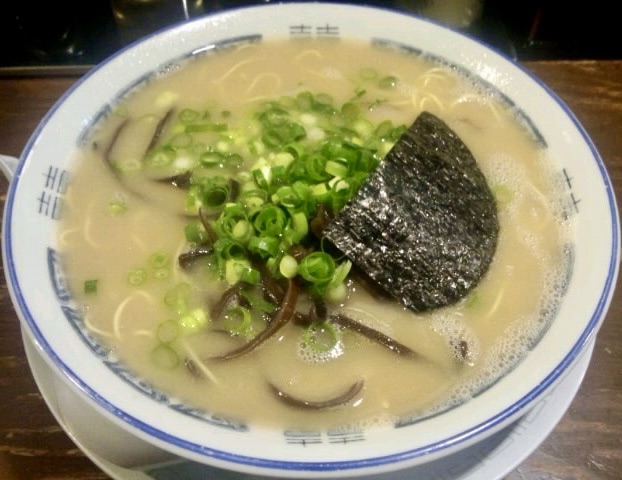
492,424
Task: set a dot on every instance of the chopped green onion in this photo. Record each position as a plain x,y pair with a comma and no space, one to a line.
252,200
263,177
270,220
233,224
288,266
168,331
321,338
214,192
188,115
137,277
238,321
304,101
233,160
473,299
341,272
165,356
162,273
350,110
195,232
205,127
264,246
364,128
250,276
193,321
117,207
288,197
228,249
299,226
388,82
315,165
317,268
384,129
241,230
211,159
177,297
128,164
181,140
337,168
161,157
336,293
503,194
159,260
257,302
309,153
237,270
90,287
368,74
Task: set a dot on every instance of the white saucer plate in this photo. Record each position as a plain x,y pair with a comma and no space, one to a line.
492,459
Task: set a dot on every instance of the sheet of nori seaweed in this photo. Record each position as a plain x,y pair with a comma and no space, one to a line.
424,225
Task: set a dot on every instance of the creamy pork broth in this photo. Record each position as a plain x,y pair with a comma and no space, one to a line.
114,221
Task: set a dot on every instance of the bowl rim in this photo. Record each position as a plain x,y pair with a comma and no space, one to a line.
198,451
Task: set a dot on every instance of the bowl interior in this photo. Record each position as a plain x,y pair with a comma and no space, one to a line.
45,306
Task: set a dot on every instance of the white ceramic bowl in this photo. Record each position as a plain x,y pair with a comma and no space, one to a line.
142,424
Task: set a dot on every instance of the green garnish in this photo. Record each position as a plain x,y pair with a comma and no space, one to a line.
318,269
165,356
90,287
304,152
238,321
193,321
256,187
137,276
177,297
159,260
257,302
168,331
117,207
320,338
503,193
288,266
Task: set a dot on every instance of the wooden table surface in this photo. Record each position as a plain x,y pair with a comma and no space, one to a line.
586,444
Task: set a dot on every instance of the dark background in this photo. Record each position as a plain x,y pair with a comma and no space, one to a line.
60,35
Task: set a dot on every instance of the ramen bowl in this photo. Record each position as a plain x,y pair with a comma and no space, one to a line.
143,425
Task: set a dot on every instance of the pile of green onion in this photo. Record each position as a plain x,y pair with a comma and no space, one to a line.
291,157
254,188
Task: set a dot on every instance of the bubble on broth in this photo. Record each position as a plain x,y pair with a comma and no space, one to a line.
519,338
461,339
312,355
